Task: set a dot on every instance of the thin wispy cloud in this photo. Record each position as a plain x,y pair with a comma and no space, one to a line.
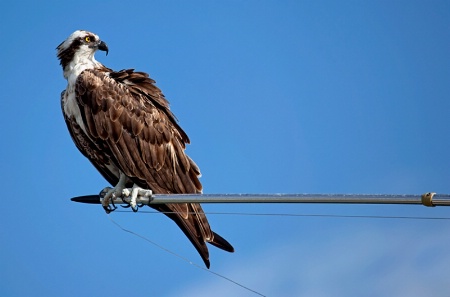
397,261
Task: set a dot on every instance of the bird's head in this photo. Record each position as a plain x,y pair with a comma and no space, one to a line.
80,47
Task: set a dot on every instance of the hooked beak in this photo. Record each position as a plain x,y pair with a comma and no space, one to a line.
103,47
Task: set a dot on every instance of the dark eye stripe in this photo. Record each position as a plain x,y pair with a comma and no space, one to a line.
89,38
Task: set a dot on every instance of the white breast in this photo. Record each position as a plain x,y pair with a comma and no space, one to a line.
71,109
80,62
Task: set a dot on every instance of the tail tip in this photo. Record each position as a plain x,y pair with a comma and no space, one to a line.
221,243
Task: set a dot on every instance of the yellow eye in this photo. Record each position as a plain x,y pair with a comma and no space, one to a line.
87,38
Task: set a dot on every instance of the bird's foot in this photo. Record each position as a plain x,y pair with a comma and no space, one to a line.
134,193
108,195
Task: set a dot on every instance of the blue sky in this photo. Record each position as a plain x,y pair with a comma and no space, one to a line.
276,96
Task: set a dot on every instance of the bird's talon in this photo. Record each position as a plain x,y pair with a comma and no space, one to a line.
108,209
129,196
107,196
125,193
114,207
103,192
123,199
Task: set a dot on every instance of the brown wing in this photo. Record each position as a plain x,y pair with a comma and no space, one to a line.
127,116
91,150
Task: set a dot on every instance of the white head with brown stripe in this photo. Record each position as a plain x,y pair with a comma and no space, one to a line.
76,53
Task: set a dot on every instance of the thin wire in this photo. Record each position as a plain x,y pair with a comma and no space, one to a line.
298,215
183,258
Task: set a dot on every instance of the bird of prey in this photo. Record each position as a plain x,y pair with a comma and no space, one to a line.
122,123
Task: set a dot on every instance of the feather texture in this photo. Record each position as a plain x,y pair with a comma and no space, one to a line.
129,127
122,123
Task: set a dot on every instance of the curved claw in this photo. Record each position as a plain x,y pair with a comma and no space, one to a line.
103,192
132,193
114,207
127,203
135,209
110,208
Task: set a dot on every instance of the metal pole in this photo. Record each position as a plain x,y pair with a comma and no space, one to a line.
427,199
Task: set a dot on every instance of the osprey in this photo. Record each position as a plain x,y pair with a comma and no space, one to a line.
122,123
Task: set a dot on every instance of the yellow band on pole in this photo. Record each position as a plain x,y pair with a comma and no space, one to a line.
427,199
